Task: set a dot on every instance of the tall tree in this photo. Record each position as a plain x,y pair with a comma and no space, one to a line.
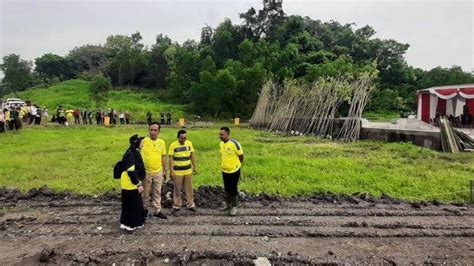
119,51
225,42
138,60
158,69
51,66
262,23
391,61
100,86
88,58
17,73
206,36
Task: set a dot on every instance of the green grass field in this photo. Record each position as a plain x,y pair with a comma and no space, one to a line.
80,159
76,93
381,116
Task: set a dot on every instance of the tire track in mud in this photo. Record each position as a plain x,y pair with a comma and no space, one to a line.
85,231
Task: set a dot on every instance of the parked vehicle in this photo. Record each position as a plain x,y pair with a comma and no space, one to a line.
12,102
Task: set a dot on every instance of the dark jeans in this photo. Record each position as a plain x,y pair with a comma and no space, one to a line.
231,182
77,120
122,121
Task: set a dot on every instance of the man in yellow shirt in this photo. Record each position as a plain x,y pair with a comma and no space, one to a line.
153,150
232,158
182,165
69,116
23,113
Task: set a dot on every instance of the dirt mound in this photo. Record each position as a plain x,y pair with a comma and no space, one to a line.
14,194
213,197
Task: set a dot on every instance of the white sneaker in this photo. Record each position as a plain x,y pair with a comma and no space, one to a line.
128,228
141,226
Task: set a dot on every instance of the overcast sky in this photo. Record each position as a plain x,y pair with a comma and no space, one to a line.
440,33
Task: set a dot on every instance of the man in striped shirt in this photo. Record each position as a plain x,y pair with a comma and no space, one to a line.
182,167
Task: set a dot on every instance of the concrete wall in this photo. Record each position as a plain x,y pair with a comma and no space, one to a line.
422,138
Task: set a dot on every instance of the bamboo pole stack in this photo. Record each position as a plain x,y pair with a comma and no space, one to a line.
449,142
453,140
467,143
311,108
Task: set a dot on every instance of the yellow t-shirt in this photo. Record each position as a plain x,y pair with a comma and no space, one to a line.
125,180
182,157
7,116
230,152
23,112
152,150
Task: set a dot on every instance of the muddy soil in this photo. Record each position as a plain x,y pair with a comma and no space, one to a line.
41,227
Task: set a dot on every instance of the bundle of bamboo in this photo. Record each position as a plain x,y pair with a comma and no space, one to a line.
467,143
449,142
311,108
453,140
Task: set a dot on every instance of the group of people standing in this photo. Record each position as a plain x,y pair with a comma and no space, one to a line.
145,167
114,117
65,116
149,118
14,117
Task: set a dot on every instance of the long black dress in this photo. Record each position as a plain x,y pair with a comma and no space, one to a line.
133,213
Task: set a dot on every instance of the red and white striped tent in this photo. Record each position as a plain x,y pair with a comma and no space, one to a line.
446,100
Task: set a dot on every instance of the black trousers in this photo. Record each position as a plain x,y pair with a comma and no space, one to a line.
2,127
231,182
14,124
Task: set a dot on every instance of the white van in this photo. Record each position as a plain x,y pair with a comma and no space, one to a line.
12,102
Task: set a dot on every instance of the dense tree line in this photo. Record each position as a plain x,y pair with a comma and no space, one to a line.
221,75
